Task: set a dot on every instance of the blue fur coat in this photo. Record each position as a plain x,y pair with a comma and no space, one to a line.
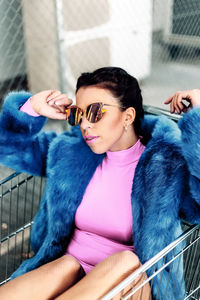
166,186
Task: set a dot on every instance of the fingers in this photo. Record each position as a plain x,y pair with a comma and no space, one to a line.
58,102
51,104
53,94
56,113
172,100
180,101
168,100
59,99
177,103
57,108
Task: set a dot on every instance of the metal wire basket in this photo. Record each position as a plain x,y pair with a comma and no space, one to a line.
20,196
185,248
19,200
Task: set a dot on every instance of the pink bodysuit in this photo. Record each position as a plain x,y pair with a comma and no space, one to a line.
103,220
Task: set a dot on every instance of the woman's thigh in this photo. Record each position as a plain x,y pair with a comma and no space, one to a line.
46,282
105,276
143,293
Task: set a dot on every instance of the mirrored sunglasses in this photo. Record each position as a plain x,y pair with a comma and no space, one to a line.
93,113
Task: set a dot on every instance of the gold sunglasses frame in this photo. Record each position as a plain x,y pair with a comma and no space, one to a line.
79,116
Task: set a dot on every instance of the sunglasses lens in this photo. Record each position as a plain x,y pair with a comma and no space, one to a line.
94,113
74,116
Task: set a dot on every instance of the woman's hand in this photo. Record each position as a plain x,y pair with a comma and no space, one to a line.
184,100
51,104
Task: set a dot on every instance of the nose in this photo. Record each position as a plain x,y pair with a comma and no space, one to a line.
85,124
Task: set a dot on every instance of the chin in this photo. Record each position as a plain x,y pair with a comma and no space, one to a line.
98,150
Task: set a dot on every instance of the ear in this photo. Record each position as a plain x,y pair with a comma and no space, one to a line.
130,114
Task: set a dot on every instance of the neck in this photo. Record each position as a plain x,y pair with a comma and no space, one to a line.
128,139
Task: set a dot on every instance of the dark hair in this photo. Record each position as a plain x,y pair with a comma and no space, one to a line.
122,85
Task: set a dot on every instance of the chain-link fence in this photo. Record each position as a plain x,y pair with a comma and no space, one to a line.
175,50
13,73
60,39
46,44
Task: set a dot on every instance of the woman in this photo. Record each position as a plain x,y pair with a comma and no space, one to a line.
104,210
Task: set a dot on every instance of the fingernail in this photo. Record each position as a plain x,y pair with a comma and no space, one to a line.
50,102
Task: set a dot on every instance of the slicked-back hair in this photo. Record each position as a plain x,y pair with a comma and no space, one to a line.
122,85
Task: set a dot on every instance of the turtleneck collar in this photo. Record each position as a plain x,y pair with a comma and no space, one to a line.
127,156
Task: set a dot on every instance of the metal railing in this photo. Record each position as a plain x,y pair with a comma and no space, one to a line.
20,196
186,248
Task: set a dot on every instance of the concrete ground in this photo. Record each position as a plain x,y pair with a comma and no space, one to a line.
169,75
166,79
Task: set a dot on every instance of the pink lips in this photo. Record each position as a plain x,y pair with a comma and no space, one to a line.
90,138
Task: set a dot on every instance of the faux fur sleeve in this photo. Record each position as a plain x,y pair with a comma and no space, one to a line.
190,143
23,146
190,136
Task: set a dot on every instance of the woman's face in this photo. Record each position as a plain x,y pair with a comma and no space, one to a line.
109,132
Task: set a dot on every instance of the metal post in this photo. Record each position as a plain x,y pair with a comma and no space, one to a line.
58,4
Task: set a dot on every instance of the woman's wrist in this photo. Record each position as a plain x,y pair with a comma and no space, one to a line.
28,109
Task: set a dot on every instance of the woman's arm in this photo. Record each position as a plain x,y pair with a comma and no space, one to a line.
23,146
190,144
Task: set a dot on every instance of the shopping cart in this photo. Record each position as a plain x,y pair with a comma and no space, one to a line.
188,245
20,196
